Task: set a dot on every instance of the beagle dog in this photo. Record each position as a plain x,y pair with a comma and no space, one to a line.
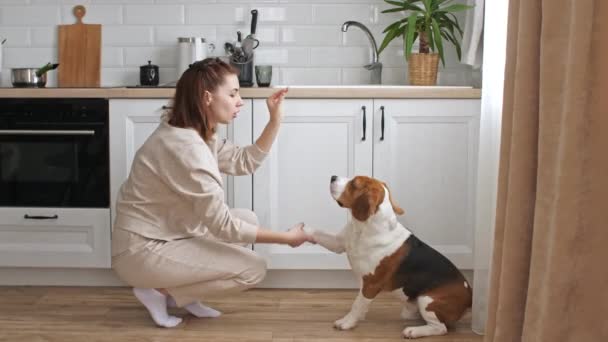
388,257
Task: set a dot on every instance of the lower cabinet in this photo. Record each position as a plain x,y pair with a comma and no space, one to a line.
37,237
424,149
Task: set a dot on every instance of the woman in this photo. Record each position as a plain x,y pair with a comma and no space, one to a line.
174,239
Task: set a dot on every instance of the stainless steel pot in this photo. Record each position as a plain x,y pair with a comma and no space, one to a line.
26,77
31,77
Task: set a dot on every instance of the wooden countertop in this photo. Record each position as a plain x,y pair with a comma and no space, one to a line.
392,92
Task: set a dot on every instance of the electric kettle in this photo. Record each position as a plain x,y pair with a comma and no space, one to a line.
190,50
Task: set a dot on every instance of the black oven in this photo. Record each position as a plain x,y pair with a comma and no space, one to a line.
54,153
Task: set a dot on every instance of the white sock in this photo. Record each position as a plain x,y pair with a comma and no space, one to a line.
156,303
197,308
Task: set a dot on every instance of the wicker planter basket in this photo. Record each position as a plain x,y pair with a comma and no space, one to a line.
422,68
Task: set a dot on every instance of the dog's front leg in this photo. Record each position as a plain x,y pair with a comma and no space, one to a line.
357,312
334,243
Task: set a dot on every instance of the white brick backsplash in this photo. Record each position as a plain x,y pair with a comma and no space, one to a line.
310,76
283,56
112,77
311,36
15,36
293,15
165,56
44,36
302,39
340,56
154,14
30,16
112,57
338,14
217,14
127,35
394,76
28,57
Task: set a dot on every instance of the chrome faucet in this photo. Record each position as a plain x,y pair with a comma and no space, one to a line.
375,66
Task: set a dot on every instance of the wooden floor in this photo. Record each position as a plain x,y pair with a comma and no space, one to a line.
112,314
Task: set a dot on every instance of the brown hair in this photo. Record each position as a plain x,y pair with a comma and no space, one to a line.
188,108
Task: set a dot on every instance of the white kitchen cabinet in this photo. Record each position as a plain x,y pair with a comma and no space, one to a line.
55,237
318,139
132,122
427,157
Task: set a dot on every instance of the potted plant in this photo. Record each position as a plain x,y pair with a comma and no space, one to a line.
432,22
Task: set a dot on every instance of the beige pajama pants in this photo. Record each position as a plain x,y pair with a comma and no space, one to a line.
190,269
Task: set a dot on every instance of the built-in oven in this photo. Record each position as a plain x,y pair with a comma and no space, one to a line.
54,153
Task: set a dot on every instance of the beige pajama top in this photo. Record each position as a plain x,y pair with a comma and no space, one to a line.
175,188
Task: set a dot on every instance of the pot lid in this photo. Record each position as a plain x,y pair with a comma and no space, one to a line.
149,65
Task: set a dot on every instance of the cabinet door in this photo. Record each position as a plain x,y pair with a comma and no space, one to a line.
132,122
318,139
428,159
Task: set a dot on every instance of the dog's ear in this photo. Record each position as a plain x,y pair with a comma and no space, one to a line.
367,204
396,208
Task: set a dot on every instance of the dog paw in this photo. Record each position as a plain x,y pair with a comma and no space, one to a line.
425,330
345,323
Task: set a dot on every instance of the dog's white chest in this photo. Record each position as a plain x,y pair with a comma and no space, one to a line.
367,245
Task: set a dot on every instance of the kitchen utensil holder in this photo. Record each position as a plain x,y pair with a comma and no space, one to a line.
245,72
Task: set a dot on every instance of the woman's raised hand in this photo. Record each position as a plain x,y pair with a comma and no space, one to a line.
274,103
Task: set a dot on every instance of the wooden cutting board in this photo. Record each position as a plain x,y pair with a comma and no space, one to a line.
79,53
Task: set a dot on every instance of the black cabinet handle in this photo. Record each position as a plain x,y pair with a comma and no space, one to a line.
364,123
35,217
382,124
166,107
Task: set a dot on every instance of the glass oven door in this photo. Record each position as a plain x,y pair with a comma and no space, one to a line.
54,164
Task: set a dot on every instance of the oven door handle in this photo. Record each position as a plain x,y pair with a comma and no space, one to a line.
45,132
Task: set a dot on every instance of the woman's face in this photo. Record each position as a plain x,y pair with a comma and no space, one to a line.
225,102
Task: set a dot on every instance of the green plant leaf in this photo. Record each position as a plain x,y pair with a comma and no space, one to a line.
438,40
403,5
393,25
392,34
456,8
409,34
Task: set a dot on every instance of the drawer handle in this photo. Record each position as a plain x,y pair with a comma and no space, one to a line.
166,107
364,123
382,123
36,217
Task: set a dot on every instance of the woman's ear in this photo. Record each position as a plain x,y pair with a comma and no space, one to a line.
207,98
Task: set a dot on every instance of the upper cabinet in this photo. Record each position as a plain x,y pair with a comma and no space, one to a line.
424,149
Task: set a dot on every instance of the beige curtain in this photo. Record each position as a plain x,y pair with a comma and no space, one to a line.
549,277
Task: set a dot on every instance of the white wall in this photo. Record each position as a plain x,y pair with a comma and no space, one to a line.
301,38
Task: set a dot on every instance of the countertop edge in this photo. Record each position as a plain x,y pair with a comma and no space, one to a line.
321,92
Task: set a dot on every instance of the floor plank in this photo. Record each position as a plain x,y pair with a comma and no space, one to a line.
112,314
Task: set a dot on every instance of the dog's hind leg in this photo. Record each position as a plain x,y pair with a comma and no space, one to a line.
433,325
410,307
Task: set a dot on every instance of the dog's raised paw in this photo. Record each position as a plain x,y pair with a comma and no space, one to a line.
345,323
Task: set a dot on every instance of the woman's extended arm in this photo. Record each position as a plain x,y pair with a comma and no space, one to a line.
293,237
275,109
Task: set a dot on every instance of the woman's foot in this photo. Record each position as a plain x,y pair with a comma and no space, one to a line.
197,309
156,303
